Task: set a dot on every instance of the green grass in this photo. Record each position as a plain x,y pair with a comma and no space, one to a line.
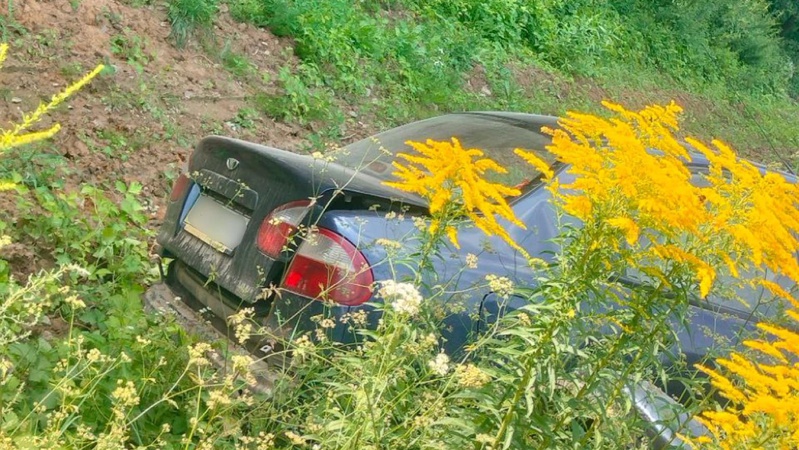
303,97
9,25
235,63
130,47
190,16
72,70
246,118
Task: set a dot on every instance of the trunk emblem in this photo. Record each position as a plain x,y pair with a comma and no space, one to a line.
232,163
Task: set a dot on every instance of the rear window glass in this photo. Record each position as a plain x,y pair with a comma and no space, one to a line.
496,134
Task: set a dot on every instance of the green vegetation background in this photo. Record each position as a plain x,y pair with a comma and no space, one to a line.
731,63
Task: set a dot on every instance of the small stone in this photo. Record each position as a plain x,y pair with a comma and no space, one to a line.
485,91
16,100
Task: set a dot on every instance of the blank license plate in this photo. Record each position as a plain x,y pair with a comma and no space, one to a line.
216,224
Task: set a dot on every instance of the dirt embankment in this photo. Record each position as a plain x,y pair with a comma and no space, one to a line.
139,120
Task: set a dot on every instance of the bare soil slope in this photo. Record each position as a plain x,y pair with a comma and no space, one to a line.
139,120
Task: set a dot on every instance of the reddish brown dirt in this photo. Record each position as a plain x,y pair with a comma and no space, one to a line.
531,78
141,121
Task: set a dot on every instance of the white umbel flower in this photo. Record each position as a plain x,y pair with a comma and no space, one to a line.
439,364
402,297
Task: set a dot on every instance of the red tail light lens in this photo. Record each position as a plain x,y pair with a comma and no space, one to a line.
278,227
327,266
180,187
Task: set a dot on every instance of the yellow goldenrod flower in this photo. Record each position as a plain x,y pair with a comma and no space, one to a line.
9,140
533,159
627,226
17,135
631,173
764,398
450,176
7,185
3,53
452,234
705,273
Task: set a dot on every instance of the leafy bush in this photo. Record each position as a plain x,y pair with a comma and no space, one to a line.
733,43
417,54
402,60
303,98
356,51
787,14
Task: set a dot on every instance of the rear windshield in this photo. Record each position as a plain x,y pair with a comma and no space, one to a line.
496,134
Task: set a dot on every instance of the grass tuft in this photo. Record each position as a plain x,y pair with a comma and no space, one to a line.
189,16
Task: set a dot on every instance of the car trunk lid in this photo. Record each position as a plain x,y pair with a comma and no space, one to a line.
237,184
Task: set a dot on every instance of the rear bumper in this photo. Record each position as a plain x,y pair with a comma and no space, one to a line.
160,299
282,318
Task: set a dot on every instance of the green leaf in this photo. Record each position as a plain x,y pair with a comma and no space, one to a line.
135,188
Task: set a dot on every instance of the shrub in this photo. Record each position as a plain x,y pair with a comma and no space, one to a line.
416,54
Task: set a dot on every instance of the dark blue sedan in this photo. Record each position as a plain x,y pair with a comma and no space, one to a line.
245,217
247,222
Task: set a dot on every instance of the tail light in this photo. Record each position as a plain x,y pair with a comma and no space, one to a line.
278,227
180,187
327,266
